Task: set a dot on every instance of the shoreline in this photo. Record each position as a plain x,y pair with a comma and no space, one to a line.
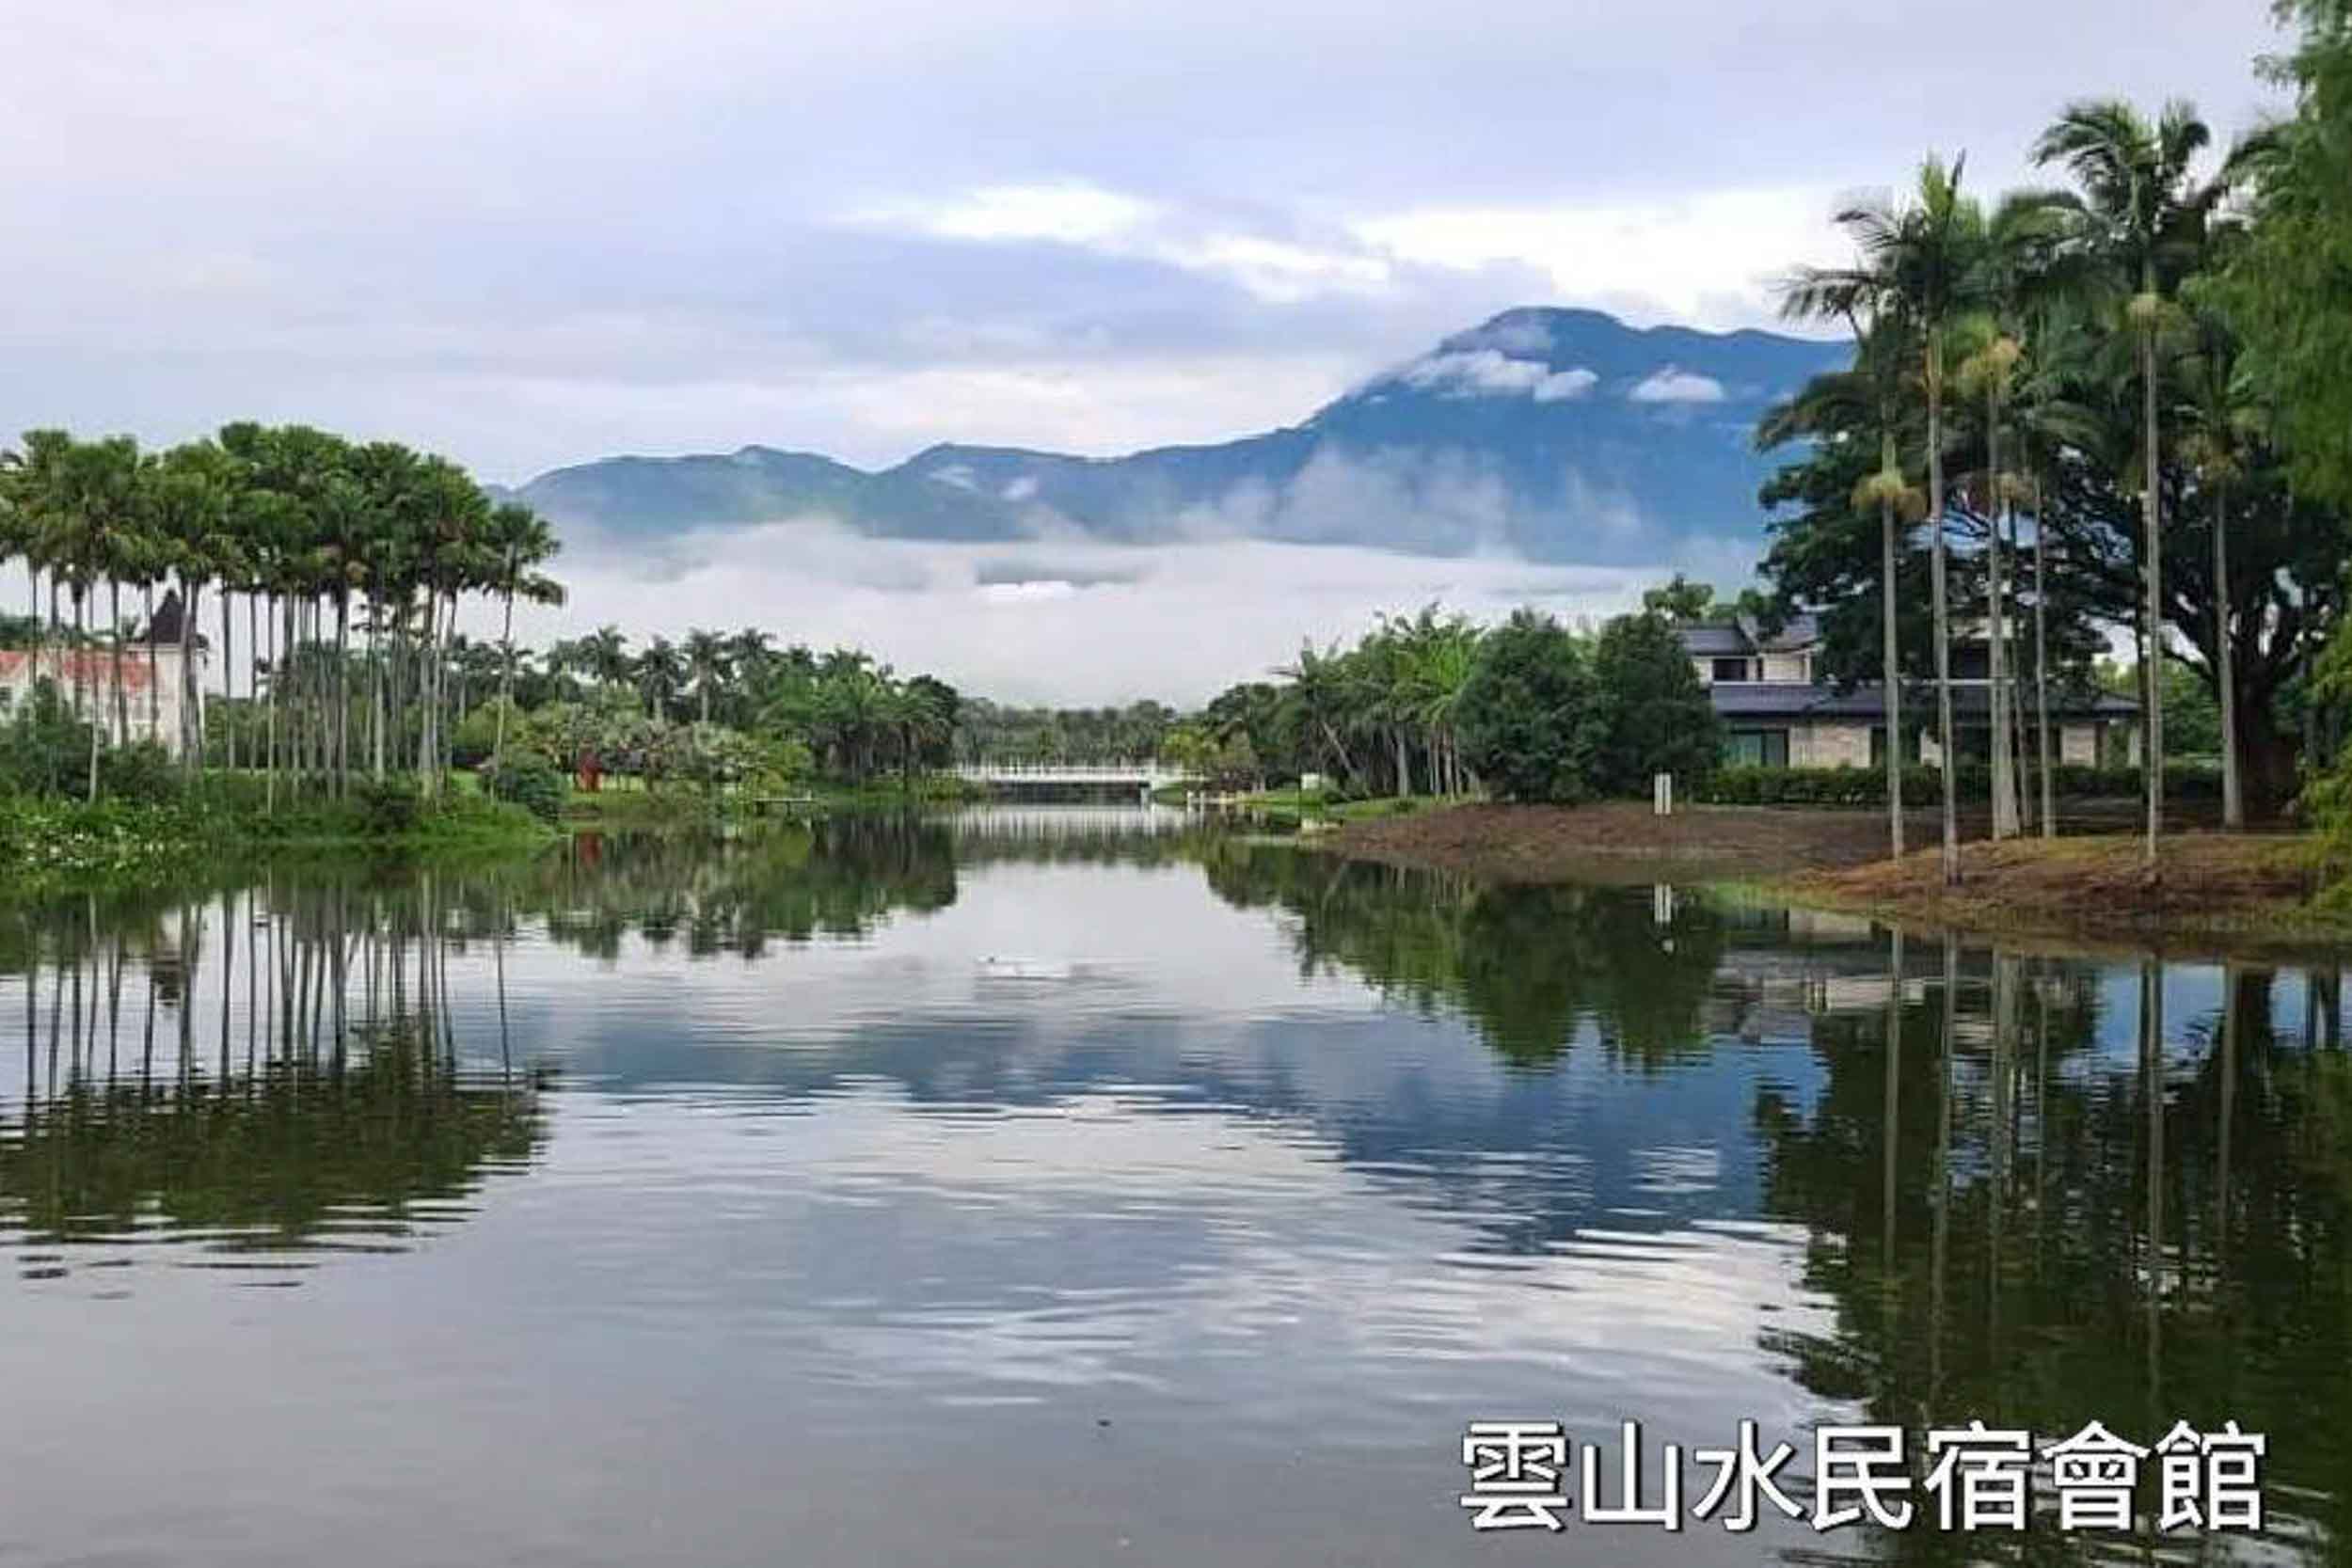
2241,892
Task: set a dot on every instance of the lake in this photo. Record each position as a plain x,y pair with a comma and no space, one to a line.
1076,1186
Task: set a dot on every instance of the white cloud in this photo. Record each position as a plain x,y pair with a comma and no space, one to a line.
1561,385
1490,373
1095,621
1282,273
1277,271
1706,259
1072,214
1677,386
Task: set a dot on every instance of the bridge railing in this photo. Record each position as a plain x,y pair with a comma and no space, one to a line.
1078,772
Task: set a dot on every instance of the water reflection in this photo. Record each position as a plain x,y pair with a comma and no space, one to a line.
911,1152
269,1073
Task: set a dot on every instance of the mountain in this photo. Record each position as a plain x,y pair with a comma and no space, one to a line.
1559,435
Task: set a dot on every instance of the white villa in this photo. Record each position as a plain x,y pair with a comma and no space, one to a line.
84,679
1777,711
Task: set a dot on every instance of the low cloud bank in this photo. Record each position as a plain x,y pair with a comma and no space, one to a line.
1071,624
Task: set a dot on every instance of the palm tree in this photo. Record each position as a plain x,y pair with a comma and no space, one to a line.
2047,425
1439,656
1320,704
90,530
707,664
604,654
37,486
521,541
750,658
660,674
1863,297
2140,213
1920,271
2222,422
188,500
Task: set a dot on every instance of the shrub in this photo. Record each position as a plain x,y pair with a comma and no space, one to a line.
389,807
142,771
45,749
529,781
1923,786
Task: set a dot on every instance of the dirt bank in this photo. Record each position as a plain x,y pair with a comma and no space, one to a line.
1549,844
2210,887
2216,892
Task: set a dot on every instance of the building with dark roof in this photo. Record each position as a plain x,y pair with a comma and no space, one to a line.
1779,712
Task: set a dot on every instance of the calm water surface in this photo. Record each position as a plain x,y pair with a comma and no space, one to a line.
1064,1187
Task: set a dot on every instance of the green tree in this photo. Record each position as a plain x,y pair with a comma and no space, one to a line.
1526,712
2289,287
1651,714
521,541
1867,298
2141,215
1921,269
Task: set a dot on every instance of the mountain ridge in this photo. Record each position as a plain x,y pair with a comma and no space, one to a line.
1558,434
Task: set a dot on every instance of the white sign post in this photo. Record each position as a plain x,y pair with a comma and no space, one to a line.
1662,794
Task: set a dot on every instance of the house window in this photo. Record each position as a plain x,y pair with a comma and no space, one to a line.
1731,669
1756,747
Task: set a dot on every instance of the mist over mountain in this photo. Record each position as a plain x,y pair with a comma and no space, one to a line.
1555,434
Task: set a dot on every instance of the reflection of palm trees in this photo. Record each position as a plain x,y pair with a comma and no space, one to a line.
1526,964
289,1154
835,878
2166,1235
350,1112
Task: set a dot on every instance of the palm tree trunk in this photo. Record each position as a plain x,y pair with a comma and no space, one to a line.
253,641
81,666
155,698
228,676
191,703
506,678
289,657
277,679
123,698
2042,661
90,715
2152,510
1891,667
2233,782
424,693
2004,784
1948,763
376,675
343,691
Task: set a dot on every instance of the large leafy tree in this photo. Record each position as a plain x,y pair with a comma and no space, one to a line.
1526,714
2289,286
1651,715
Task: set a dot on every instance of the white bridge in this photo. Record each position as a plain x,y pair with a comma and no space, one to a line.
1144,776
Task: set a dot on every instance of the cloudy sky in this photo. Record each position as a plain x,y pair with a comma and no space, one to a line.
539,232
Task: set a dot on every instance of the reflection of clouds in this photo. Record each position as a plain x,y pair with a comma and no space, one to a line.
1110,1243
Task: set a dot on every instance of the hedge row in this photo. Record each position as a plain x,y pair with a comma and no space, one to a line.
1922,787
